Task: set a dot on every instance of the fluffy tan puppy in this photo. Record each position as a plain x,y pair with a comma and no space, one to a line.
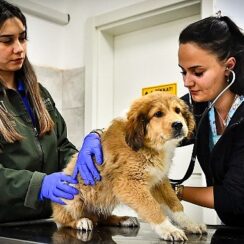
138,152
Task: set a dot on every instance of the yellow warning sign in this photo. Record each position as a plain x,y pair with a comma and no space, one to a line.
170,88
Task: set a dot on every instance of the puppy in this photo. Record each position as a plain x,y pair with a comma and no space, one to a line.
138,151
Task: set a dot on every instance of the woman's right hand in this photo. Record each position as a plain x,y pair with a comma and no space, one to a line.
85,165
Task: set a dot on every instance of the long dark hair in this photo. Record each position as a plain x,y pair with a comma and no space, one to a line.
28,76
222,37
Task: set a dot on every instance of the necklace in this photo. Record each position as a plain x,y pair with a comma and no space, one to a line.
225,121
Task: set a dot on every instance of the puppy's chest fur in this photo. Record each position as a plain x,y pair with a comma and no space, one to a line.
160,164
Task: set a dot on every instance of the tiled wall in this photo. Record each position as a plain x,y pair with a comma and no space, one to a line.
67,90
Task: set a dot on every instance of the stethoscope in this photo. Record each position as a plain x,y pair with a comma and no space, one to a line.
203,115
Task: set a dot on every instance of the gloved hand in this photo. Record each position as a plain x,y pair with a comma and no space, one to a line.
56,186
84,164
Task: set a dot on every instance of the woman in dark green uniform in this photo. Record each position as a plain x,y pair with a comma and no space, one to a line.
33,143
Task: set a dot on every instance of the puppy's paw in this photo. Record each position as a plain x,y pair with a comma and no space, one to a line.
196,228
84,235
203,227
129,222
84,224
187,224
169,232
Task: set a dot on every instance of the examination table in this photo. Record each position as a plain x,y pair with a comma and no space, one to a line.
45,231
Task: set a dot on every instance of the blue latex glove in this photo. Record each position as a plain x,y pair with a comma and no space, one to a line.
84,164
56,186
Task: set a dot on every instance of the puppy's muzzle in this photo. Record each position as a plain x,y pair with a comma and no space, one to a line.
177,129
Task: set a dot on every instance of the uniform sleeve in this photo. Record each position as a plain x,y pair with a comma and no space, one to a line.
23,186
229,196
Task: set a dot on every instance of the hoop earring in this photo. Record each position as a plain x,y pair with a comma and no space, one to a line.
233,76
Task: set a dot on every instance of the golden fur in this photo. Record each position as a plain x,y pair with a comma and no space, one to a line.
138,151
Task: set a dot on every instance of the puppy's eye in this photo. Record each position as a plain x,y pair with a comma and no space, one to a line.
177,110
158,114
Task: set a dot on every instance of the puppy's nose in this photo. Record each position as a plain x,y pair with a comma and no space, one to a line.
177,126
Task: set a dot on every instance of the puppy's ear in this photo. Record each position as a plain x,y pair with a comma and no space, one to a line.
135,131
189,120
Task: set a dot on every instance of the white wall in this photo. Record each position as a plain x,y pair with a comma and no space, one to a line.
62,46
